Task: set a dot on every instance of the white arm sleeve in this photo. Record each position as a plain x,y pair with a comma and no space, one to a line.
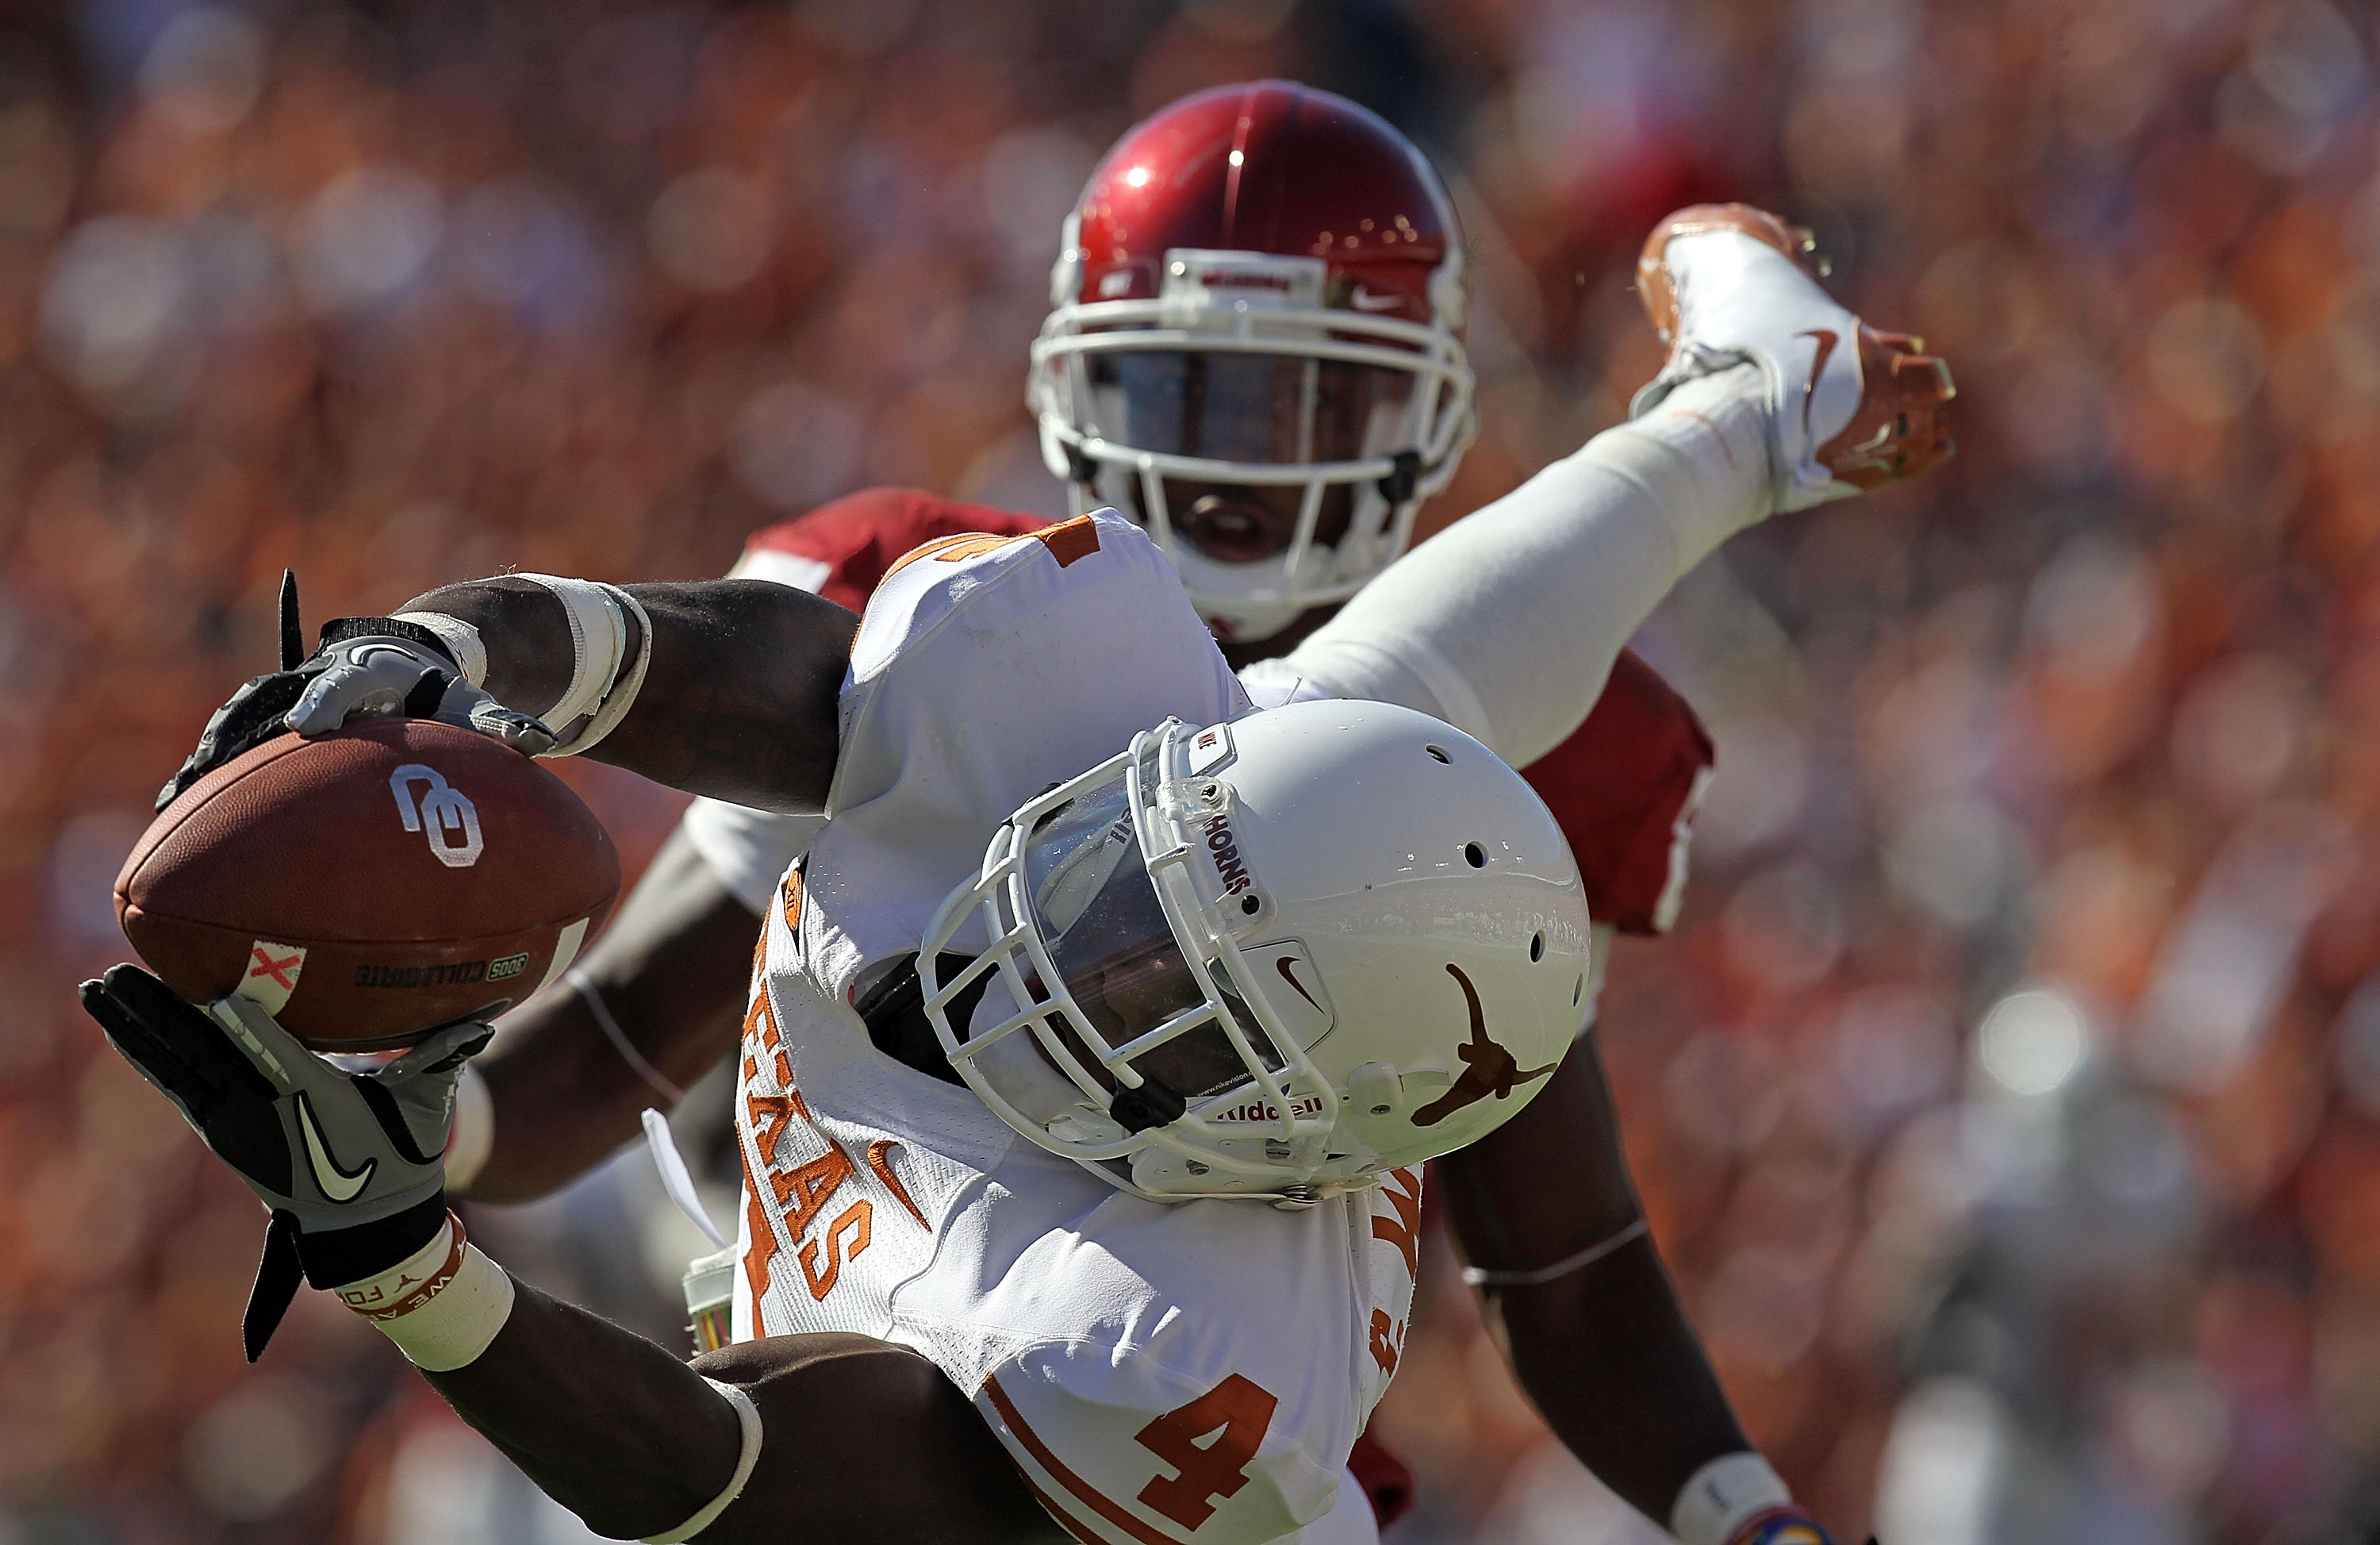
1505,625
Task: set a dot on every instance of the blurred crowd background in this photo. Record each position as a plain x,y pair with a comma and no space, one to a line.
2008,1102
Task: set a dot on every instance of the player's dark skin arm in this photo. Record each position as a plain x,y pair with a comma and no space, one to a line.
1603,1348
672,970
739,698
861,1439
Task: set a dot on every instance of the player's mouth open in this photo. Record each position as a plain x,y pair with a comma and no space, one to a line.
1243,523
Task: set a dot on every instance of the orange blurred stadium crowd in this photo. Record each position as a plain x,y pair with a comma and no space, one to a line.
2008,1103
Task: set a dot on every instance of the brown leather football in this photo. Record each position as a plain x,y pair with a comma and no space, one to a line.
371,885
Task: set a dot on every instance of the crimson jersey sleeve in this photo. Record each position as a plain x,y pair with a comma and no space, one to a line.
841,549
1624,788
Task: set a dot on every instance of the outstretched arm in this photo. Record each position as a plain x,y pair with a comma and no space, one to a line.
801,1438
857,1440
738,694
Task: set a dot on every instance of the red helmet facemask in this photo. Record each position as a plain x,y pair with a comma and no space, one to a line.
1255,349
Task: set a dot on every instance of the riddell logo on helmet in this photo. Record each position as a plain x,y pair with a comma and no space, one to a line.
1225,850
1265,1109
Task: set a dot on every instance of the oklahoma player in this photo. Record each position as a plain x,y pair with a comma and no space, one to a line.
1275,418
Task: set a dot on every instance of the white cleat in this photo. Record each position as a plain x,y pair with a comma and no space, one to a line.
1727,283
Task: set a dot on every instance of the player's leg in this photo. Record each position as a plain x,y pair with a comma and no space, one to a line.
1774,397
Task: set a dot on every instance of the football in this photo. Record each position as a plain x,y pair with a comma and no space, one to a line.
371,885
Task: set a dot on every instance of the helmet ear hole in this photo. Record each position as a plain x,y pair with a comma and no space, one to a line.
1475,855
1439,752
1536,947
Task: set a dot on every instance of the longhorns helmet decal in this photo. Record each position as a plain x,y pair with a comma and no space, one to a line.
1488,1067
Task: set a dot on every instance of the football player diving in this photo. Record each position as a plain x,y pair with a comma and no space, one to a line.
1280,475
1011,1119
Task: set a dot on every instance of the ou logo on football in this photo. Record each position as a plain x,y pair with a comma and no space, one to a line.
445,814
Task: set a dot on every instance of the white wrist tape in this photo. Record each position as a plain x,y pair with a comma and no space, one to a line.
441,1305
473,1135
620,695
461,639
599,644
1723,1495
748,1415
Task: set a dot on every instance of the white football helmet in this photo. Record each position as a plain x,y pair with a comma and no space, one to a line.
1272,957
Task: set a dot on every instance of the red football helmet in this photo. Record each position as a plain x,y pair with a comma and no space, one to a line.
1256,346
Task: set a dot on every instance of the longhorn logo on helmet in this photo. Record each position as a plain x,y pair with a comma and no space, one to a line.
1488,1067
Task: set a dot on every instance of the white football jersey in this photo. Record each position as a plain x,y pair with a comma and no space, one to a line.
1184,1374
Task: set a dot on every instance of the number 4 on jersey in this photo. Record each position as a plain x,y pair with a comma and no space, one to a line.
1243,1411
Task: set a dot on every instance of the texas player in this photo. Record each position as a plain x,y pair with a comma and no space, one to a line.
739,701
1623,786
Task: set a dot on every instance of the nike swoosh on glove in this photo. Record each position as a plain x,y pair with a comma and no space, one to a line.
350,1163
366,666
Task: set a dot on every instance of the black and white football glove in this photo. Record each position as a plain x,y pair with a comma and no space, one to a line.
364,666
351,1164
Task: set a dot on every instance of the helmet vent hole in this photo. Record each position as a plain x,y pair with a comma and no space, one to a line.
1536,948
1475,855
1578,989
1439,752
1249,905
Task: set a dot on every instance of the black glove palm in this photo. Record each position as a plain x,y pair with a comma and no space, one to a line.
350,1163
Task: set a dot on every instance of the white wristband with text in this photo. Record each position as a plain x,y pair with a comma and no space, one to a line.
1721,1497
441,1305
